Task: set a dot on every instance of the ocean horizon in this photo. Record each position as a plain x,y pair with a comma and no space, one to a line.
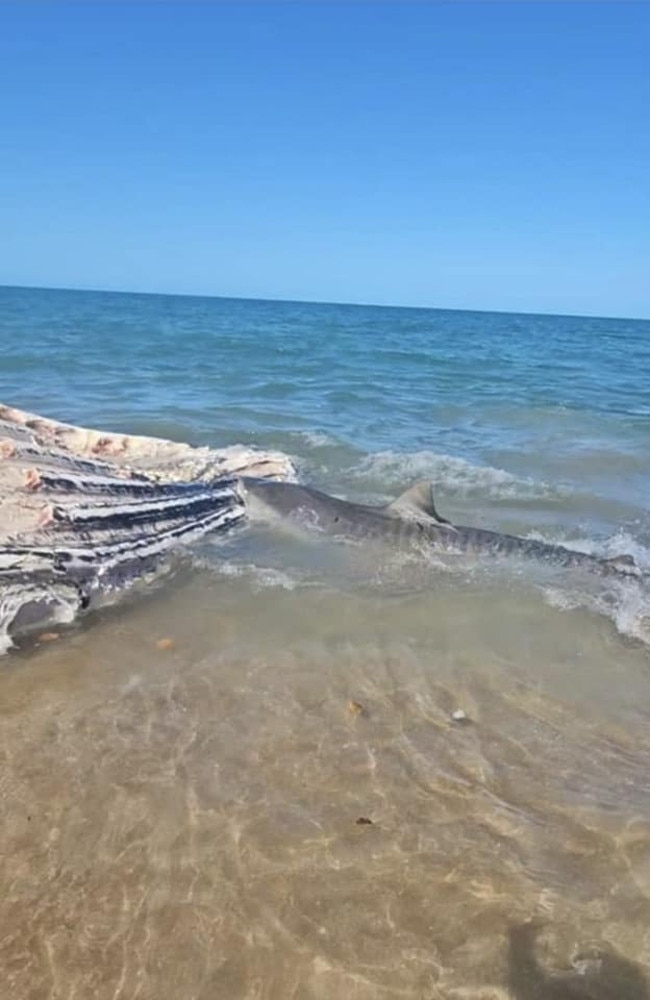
323,302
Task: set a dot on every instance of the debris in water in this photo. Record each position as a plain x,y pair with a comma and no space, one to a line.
165,643
364,821
460,716
49,636
356,708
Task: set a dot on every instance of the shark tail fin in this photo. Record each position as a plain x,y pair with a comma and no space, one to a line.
417,504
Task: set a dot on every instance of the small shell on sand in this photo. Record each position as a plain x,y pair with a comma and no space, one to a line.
356,708
49,636
363,821
460,716
165,643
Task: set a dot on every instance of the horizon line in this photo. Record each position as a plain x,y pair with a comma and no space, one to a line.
319,302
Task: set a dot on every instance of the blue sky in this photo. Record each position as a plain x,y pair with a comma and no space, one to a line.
464,155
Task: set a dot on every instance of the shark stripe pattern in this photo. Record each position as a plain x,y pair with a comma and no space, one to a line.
412,519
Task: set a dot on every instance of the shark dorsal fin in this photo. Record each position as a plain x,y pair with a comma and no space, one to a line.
417,504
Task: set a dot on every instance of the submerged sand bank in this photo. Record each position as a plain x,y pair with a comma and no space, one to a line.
86,512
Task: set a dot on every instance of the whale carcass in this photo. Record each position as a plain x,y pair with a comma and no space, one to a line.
85,514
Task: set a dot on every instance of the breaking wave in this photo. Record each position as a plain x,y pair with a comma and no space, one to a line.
260,577
627,605
317,439
459,477
620,543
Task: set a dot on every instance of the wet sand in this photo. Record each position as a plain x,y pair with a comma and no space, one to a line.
182,823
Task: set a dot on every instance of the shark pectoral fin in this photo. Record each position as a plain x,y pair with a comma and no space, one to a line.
625,564
417,504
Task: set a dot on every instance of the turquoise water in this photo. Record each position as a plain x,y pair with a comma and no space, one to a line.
563,401
184,823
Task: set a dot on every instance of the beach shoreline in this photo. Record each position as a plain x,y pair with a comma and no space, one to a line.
185,773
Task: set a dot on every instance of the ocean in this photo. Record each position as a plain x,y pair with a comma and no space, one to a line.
281,804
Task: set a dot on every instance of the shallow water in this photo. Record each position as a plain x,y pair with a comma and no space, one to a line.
182,823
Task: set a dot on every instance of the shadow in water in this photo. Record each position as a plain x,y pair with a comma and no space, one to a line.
596,973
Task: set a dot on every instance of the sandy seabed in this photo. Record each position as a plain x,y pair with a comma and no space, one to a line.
181,821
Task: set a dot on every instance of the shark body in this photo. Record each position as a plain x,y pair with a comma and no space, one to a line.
412,520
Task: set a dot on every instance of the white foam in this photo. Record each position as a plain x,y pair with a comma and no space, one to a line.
621,543
459,477
317,439
626,604
625,601
262,576
47,606
6,642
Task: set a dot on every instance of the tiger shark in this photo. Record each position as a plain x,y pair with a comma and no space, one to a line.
411,520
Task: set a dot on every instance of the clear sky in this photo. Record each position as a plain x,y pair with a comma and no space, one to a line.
466,155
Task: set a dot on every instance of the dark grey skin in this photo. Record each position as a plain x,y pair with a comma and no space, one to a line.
412,519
